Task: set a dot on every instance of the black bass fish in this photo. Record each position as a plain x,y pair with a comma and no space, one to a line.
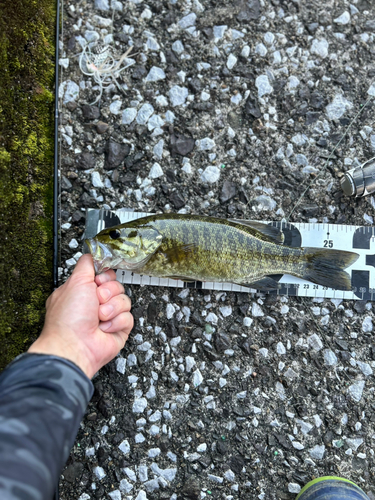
198,248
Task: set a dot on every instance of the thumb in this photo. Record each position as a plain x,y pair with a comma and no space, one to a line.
84,270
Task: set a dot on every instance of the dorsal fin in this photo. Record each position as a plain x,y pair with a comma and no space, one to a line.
268,233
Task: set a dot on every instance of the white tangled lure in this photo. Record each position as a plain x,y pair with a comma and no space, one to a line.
99,63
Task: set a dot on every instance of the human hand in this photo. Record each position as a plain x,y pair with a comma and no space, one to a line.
87,320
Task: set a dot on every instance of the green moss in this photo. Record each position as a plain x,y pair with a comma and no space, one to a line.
27,30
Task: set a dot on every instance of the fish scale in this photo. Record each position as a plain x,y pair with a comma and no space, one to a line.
216,247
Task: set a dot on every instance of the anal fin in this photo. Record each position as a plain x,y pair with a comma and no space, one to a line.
265,284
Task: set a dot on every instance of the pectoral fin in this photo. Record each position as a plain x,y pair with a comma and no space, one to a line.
133,266
267,233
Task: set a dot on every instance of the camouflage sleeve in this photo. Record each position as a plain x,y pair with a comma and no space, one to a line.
42,401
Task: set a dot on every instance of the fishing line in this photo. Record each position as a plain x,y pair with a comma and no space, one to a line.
324,168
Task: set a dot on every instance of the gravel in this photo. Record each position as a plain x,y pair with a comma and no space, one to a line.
317,452
69,90
156,171
210,174
263,85
336,109
230,109
144,113
155,74
178,95
128,115
320,47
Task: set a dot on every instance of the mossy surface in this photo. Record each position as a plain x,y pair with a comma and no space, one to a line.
27,31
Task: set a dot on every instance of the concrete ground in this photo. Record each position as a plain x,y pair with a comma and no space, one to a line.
226,109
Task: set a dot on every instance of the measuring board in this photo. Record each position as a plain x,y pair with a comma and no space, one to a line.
359,239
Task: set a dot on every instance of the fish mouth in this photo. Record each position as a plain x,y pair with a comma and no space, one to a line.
102,257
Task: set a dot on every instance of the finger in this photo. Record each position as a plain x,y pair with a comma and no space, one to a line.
109,290
116,305
105,277
121,338
84,270
123,322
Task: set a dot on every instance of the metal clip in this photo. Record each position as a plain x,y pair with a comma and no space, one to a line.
360,181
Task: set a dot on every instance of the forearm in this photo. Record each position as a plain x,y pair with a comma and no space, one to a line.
42,402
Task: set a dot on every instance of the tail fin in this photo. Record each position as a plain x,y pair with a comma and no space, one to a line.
326,267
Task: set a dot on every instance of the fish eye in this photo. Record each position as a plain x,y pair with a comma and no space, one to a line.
132,234
114,234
